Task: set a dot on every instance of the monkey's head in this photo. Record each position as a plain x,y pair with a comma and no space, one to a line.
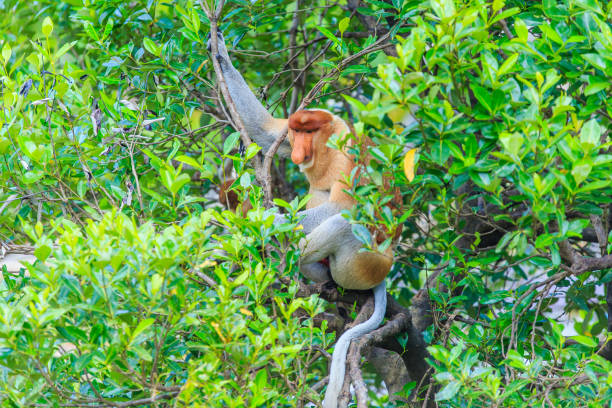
308,133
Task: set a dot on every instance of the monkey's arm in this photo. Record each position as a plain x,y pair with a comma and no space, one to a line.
261,127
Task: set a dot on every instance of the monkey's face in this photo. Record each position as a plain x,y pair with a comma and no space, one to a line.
302,151
308,134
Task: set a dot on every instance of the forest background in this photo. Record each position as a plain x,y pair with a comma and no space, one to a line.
114,140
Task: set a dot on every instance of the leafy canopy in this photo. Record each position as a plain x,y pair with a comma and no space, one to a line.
111,143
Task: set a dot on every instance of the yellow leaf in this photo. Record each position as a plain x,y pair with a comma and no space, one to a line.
218,330
409,164
206,264
195,118
298,227
201,65
246,312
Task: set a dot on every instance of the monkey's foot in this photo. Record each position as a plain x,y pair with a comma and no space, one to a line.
317,272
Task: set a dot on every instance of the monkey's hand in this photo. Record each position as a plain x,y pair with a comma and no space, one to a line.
222,55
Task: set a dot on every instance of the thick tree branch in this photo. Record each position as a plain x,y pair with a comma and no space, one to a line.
413,355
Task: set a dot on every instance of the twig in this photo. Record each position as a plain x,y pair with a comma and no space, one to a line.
505,28
376,46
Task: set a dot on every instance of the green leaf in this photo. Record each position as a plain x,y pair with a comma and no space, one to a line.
329,35
590,135
230,142
356,69
516,360
176,145
494,297
179,182
47,26
483,95
72,333
589,5
596,60
6,51
156,283
261,379
190,161
65,48
83,361
596,87
581,171
142,326
443,8
551,33
251,151
143,353
108,28
343,25
586,341
521,30
509,65
596,185
448,391
362,234
512,142
543,241
4,145
241,278
42,252
150,46
91,32
31,177
245,180
505,14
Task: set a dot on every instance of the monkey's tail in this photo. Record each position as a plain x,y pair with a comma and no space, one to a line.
338,365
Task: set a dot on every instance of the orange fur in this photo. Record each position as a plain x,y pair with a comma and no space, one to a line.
372,268
309,120
309,132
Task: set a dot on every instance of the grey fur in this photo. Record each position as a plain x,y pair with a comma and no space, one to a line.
253,114
313,217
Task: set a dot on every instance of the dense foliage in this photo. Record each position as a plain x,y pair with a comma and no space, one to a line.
113,141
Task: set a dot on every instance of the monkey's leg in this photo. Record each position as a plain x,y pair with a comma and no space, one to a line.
322,242
312,218
333,237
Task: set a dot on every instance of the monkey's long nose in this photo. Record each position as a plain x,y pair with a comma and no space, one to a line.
299,156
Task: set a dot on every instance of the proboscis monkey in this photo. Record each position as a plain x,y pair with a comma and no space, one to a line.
328,235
